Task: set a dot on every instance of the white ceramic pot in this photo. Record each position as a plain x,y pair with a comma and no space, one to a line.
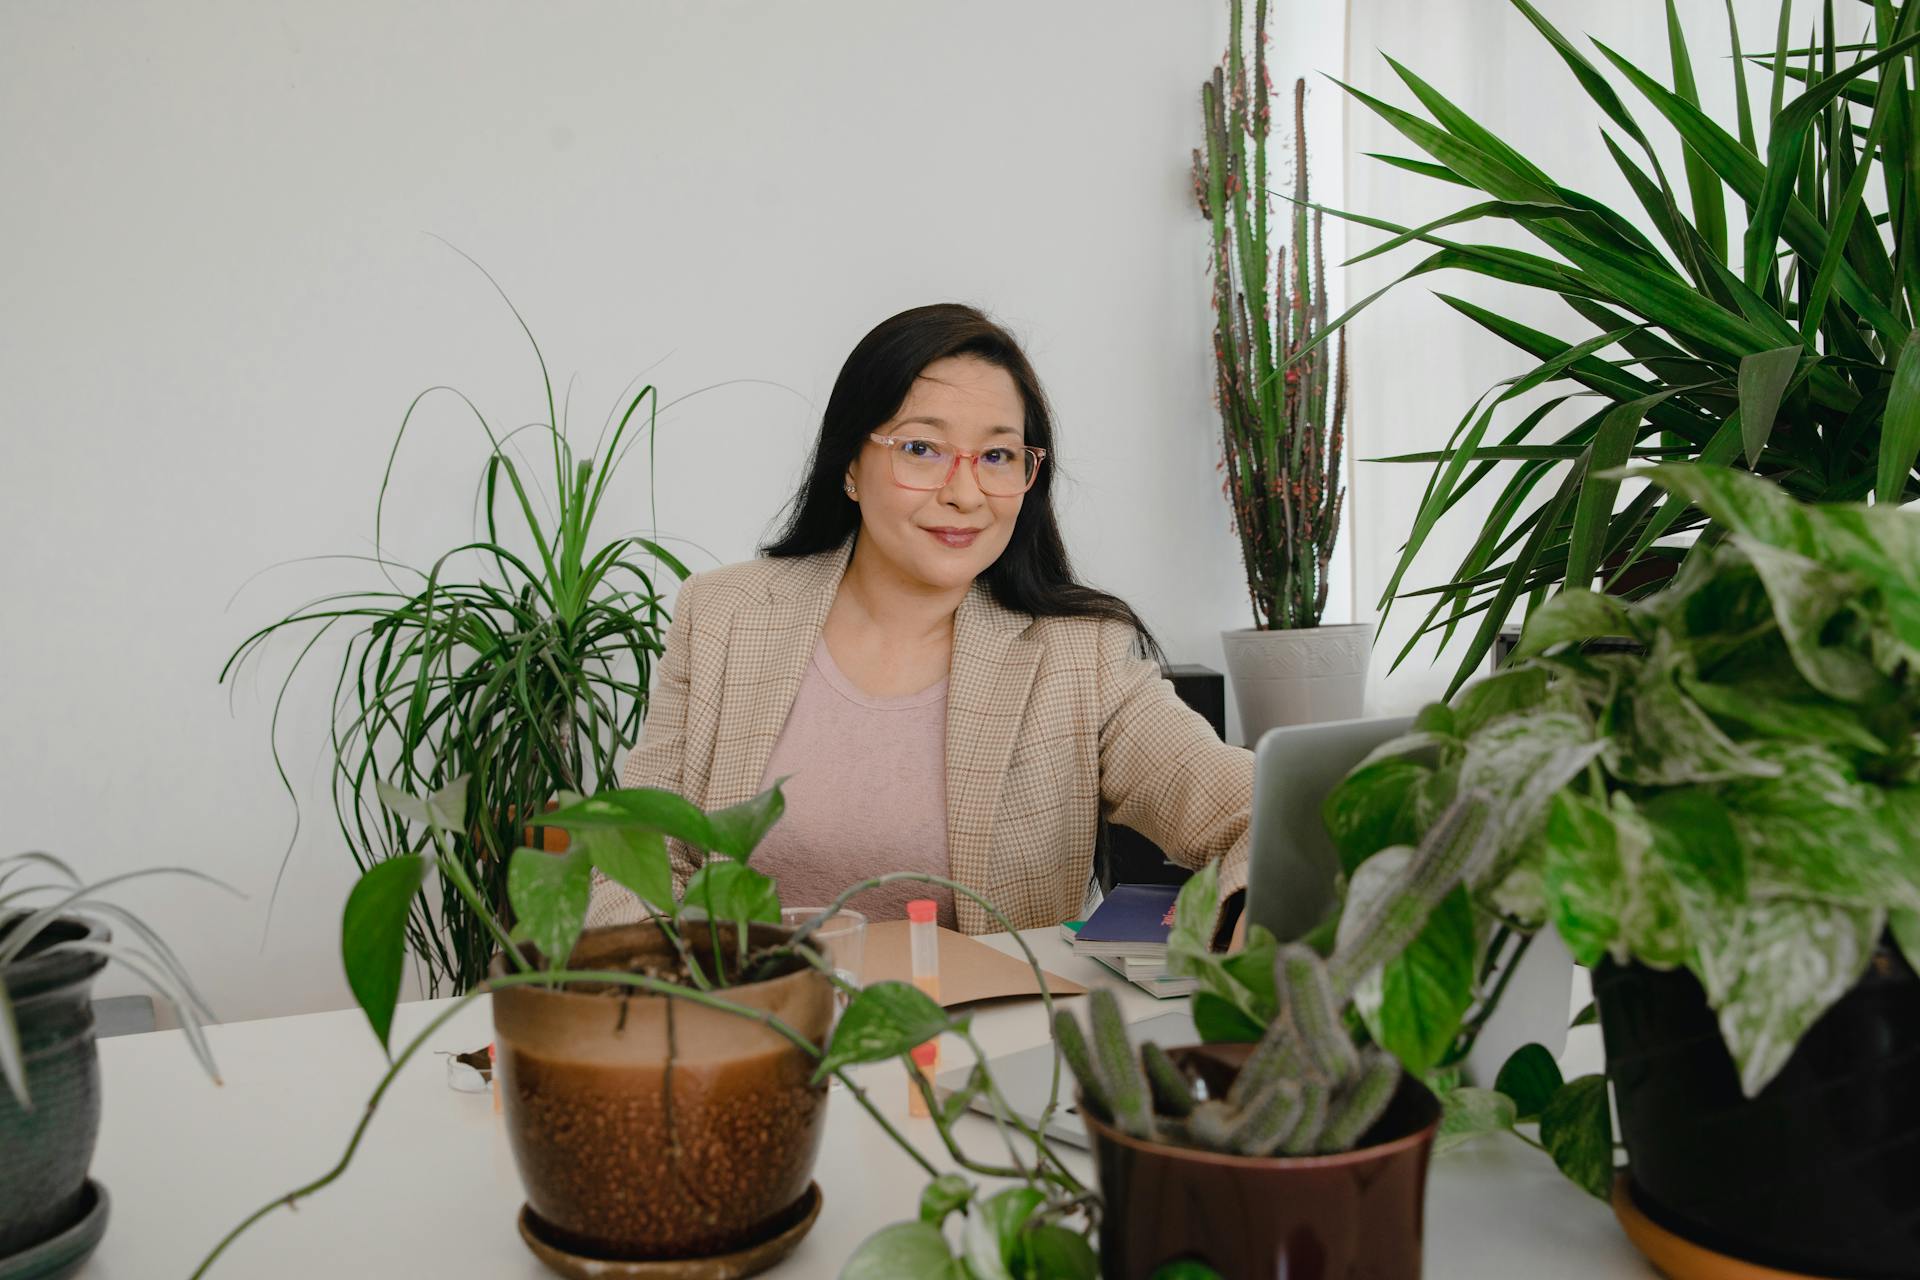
1305,676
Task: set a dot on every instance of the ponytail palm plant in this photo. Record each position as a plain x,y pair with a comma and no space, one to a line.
519,659
1757,312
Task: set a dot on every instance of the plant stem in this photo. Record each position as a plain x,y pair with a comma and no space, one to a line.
450,868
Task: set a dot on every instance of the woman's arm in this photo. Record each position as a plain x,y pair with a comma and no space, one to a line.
1163,770
655,760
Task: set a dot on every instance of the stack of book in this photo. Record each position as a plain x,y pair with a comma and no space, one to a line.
1128,934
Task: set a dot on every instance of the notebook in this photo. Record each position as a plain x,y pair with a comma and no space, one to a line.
1132,922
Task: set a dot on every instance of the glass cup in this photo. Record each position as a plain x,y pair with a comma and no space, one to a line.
842,940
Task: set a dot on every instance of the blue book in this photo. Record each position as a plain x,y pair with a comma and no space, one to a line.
1133,920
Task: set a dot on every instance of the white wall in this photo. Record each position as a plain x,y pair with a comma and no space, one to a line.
221,295
1418,364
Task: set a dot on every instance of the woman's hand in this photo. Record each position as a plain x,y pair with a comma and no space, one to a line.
1239,938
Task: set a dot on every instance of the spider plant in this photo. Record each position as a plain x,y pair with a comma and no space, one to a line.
525,670
29,909
1786,349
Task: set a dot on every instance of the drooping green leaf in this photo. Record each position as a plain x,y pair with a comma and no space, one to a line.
990,1240
1218,1020
1048,1251
1576,1127
1763,380
1807,596
1503,693
942,1196
647,808
634,859
411,808
373,936
728,890
883,1020
1373,808
1530,1077
904,1249
1784,968
1467,1112
1413,1004
737,830
1900,430
1661,737
1817,831
549,893
1570,617
1521,762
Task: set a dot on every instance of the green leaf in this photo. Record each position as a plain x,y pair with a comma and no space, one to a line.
408,807
1703,185
1467,1112
1530,1077
634,859
883,1020
903,1249
1906,932
1786,962
373,936
1572,616
1661,737
737,830
1413,1004
1588,1016
1520,762
13,1059
1612,445
1585,876
1372,809
647,808
1900,429
1185,1270
729,890
942,1196
1217,1020
1493,697
1817,831
1049,1251
1763,380
990,1240
1576,1127
549,893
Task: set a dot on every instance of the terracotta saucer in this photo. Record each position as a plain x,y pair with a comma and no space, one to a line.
1681,1259
747,1261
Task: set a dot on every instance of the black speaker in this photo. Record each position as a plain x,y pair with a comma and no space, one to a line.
1127,857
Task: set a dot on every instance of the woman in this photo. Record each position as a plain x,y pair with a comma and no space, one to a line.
913,654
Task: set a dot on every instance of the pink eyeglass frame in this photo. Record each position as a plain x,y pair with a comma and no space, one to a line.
1039,456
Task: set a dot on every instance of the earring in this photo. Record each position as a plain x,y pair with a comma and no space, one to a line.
851,491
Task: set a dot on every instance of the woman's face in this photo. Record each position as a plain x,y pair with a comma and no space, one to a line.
943,538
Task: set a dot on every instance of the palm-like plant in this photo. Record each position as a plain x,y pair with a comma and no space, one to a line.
1788,351
525,671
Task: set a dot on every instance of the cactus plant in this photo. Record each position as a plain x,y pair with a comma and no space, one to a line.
1306,1088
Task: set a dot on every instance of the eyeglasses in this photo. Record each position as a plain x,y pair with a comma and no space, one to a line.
1001,471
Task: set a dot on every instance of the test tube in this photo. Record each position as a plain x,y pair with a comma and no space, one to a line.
923,937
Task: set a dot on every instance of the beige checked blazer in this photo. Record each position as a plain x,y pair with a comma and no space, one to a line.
1051,723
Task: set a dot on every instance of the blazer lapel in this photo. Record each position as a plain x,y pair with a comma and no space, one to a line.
988,681
767,654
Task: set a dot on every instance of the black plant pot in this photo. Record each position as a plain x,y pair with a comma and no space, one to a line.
1818,1174
45,1150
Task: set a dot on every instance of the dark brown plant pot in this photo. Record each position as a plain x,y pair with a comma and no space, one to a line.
650,1127
1354,1216
45,1150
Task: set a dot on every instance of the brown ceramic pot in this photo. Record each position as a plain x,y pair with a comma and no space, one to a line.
649,1127
1354,1216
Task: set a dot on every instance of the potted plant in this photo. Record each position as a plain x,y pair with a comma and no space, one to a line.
1788,352
518,659
699,1039
55,936
1329,1137
1282,405
1720,819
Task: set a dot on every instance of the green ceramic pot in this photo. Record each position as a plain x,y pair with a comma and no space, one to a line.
45,1150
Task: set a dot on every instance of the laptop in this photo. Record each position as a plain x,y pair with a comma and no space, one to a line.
1291,886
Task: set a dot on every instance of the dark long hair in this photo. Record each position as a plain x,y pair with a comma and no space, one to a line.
1033,574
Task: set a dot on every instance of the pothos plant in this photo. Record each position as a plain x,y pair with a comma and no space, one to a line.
1038,1228
1733,792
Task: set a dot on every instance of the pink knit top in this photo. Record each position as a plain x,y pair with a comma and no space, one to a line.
867,794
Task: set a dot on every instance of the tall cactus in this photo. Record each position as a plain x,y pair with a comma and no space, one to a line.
1306,1088
1280,391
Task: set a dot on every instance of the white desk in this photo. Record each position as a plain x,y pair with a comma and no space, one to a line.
433,1191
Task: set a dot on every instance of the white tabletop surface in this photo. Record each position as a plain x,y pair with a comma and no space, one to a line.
433,1191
